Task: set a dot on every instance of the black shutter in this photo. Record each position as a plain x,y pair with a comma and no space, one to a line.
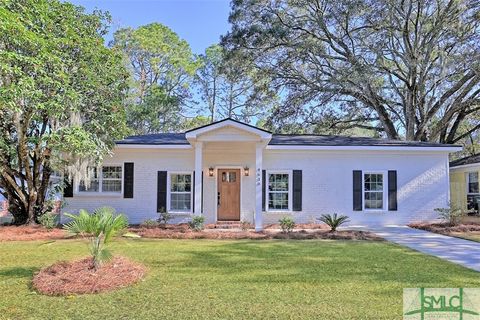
193,191
128,180
264,175
201,209
392,190
68,188
162,191
357,190
297,190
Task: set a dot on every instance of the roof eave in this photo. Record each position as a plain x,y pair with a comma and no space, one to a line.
366,148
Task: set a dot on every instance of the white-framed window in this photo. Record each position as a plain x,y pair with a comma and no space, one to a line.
374,193
106,179
472,183
180,192
279,190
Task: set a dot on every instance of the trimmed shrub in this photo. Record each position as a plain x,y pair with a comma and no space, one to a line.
333,220
48,220
197,223
287,224
164,217
452,215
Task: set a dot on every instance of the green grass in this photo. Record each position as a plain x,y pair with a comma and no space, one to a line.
204,279
472,235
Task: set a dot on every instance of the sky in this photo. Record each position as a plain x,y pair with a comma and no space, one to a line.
199,22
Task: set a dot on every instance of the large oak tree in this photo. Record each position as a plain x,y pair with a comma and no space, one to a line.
405,68
61,98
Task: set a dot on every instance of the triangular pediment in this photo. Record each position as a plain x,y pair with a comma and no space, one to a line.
228,130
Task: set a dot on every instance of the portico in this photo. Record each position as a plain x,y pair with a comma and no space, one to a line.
228,169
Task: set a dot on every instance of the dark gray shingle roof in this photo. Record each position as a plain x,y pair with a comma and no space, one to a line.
467,160
284,139
155,139
327,140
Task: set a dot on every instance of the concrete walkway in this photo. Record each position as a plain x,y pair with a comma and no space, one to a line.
460,251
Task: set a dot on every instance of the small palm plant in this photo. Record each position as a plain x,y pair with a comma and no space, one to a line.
333,220
99,227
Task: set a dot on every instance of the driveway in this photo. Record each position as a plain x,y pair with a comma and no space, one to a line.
460,251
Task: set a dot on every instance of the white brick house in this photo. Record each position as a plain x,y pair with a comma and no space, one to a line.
233,171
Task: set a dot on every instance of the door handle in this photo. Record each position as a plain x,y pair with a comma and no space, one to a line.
218,199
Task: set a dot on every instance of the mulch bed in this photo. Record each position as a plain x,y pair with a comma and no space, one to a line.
183,232
77,277
25,233
445,228
304,226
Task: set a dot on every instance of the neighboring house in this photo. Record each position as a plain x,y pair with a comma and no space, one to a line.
232,171
464,183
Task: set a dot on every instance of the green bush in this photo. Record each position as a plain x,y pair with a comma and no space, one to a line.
48,220
451,214
287,224
333,220
164,217
197,223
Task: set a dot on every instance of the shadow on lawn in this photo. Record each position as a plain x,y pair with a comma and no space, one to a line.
18,272
287,262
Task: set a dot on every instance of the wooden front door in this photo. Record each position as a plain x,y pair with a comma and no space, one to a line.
228,194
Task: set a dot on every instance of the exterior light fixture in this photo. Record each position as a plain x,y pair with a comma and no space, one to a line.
210,171
246,170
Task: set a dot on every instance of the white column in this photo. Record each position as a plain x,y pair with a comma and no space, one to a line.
198,178
258,186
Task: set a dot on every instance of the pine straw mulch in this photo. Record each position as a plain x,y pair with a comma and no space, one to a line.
25,233
77,277
447,229
183,232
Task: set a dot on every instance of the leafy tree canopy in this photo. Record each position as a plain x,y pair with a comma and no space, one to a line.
162,67
404,69
231,88
61,98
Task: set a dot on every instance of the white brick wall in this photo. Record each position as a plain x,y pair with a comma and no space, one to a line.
327,181
422,183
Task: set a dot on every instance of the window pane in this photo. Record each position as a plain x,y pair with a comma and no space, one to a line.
278,182
112,186
473,182
229,176
278,200
473,176
180,201
93,187
180,182
373,182
373,200
112,172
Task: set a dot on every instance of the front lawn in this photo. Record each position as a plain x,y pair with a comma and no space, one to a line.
225,279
